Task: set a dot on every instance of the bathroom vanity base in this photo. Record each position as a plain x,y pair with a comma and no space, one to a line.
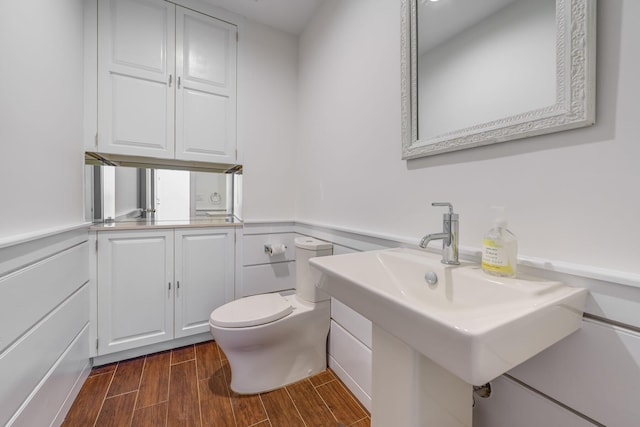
411,390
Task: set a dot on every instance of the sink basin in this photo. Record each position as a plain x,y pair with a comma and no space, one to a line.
474,325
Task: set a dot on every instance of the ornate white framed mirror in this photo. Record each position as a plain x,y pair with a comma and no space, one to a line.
481,72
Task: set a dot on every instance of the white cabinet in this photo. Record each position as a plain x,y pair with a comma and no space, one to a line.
205,89
204,272
135,296
166,82
157,285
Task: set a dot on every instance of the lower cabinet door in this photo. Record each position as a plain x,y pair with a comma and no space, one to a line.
204,272
135,289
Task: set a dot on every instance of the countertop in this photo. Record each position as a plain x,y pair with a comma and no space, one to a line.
140,224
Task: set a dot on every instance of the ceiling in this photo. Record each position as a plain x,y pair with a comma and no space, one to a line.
290,16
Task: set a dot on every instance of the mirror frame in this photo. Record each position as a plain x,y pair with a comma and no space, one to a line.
575,87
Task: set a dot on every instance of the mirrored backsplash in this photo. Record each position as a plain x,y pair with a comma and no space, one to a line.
119,193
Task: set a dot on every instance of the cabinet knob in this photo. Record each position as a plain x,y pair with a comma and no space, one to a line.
170,79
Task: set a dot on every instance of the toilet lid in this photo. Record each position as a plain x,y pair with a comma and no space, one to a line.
251,311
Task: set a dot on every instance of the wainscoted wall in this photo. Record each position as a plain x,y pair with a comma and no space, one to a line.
262,273
591,378
44,326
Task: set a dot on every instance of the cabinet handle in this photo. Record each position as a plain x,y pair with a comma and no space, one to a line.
178,82
170,79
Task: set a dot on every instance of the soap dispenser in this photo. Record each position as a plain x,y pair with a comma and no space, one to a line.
500,248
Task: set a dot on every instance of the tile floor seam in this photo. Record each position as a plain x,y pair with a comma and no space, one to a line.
166,414
179,349
120,394
352,396
135,403
356,422
228,388
258,423
198,388
184,361
320,385
98,375
151,404
113,374
134,407
295,406
144,367
326,382
266,414
166,418
325,402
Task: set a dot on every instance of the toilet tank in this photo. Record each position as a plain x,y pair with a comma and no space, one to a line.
306,276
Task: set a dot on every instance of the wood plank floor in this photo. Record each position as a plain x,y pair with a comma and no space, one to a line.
189,386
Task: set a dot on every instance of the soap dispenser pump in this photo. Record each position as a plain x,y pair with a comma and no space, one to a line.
500,248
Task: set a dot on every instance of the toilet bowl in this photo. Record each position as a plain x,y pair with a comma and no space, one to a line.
272,340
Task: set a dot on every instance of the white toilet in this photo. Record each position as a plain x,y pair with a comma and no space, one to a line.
272,340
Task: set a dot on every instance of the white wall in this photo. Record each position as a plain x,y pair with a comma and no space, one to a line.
41,152
348,167
267,131
570,196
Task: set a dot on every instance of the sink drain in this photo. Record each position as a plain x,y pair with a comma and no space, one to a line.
431,278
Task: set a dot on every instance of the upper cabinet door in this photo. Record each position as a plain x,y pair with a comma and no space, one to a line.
136,57
205,88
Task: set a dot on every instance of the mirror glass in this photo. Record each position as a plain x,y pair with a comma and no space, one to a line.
118,193
480,72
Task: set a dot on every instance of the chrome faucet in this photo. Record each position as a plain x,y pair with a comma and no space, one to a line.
449,236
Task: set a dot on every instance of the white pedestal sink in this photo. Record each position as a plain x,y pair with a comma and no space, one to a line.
432,343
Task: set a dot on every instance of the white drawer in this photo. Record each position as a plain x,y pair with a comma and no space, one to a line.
353,356
356,324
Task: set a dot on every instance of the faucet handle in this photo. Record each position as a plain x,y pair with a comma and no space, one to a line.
444,204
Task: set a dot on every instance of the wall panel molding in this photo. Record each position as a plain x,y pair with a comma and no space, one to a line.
44,316
614,295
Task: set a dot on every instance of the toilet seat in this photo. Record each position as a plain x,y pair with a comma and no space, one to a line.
251,311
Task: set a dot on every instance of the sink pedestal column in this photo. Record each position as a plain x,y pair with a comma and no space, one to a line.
410,390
